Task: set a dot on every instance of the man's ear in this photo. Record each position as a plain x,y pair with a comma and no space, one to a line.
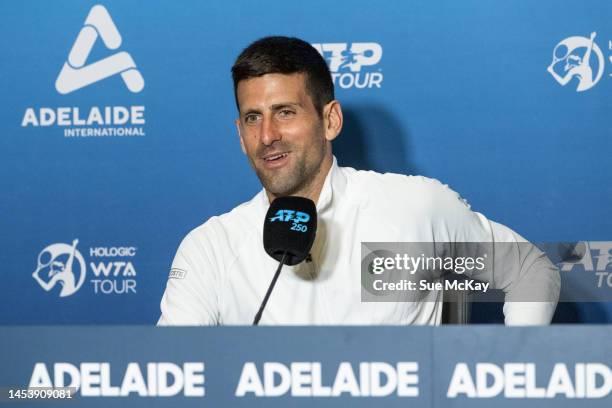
332,119
237,122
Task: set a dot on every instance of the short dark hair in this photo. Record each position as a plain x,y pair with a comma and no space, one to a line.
286,55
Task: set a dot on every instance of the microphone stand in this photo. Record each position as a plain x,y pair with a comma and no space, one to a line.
274,279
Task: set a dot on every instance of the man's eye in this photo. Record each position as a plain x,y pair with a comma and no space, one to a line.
249,119
284,113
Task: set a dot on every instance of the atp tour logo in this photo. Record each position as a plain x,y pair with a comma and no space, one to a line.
577,57
352,65
56,264
597,259
76,75
63,265
297,217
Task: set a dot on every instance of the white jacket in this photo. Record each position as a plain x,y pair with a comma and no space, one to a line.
221,272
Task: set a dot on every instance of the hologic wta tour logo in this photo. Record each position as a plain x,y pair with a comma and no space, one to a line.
64,266
353,65
56,264
580,58
78,73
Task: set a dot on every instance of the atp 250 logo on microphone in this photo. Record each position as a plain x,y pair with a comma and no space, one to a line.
297,218
61,269
77,77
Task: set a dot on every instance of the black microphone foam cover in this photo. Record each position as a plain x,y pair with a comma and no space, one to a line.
291,226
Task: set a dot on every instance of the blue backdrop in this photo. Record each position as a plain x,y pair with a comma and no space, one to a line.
458,91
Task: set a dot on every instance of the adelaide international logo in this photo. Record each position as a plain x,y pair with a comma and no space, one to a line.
76,75
84,121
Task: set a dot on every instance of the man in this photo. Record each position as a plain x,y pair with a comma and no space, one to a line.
288,118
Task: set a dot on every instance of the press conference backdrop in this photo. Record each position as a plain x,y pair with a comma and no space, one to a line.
117,135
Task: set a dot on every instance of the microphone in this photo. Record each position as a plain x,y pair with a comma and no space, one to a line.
290,228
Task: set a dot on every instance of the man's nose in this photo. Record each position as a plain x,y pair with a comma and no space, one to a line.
269,131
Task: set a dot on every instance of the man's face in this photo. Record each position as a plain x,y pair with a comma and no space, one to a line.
281,132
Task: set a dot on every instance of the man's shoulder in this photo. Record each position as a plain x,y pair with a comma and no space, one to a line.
406,199
368,183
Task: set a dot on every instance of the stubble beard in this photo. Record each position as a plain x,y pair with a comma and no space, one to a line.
296,179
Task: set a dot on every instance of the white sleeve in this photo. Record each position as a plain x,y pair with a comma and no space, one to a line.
528,276
191,295
531,283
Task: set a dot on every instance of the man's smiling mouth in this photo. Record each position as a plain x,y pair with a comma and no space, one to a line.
275,156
